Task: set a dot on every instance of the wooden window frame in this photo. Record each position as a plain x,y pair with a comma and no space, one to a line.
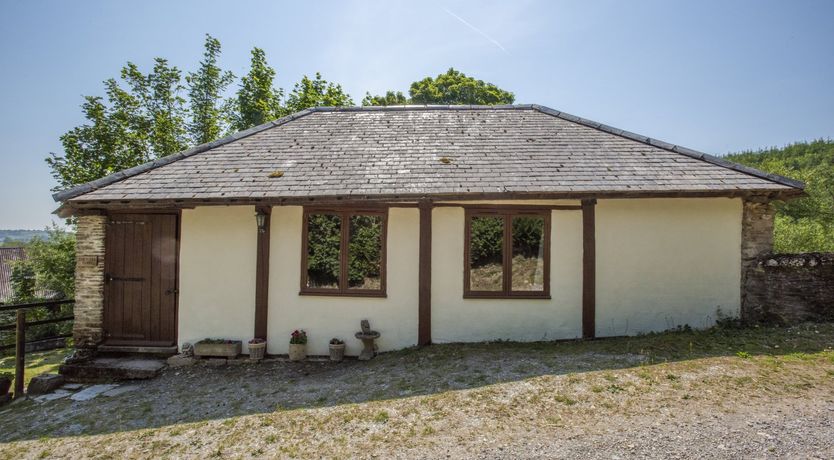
507,214
343,290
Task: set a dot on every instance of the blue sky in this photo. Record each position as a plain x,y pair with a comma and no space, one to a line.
717,76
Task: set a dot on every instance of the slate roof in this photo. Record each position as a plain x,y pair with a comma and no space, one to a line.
368,152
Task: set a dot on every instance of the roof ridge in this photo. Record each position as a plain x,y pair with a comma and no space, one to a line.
130,172
779,179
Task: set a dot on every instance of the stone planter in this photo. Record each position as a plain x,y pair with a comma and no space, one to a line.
218,350
257,350
337,352
298,351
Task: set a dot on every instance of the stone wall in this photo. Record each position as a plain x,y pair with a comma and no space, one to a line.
756,240
89,280
756,230
790,288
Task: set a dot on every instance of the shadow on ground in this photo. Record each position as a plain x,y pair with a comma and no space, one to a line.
201,393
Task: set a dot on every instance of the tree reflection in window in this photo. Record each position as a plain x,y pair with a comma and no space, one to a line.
324,237
486,254
344,251
507,253
365,252
528,253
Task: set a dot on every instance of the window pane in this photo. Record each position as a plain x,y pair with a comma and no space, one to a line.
528,253
323,240
486,254
365,252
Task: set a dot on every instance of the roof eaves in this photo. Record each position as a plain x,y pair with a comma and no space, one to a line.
781,180
88,187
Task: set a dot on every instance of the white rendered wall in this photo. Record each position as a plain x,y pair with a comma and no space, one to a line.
217,273
455,319
662,263
325,317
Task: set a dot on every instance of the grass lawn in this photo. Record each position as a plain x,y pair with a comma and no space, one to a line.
36,363
755,392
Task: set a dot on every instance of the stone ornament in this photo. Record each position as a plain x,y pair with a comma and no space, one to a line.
367,336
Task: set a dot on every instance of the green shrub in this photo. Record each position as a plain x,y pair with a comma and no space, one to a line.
804,224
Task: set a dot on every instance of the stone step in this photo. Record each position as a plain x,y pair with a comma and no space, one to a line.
138,350
112,369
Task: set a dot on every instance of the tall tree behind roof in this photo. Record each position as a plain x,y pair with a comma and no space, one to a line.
257,100
455,87
317,92
133,125
110,141
206,86
390,98
161,105
450,88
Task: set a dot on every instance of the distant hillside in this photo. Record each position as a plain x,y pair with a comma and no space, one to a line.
806,224
12,237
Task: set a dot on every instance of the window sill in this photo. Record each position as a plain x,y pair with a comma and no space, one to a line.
343,294
508,297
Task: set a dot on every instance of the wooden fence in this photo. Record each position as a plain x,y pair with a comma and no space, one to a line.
20,325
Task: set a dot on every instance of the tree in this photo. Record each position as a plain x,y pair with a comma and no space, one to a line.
22,281
450,88
53,262
317,93
161,108
805,224
134,125
390,98
205,93
257,101
455,87
49,268
107,144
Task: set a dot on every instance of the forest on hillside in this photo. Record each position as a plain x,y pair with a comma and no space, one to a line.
805,224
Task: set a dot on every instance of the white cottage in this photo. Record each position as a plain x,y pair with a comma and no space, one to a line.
436,223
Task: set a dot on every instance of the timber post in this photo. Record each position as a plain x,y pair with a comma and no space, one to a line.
589,269
424,276
262,273
19,353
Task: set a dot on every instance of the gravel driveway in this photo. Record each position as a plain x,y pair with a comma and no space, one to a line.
717,394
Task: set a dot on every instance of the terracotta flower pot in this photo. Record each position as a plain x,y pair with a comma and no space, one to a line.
298,351
337,352
257,350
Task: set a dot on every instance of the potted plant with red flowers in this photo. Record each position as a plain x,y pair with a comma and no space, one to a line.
337,349
298,345
257,349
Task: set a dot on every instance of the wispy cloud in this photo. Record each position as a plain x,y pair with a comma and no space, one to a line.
481,32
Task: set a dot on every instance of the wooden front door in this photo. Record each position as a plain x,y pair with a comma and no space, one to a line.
140,288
